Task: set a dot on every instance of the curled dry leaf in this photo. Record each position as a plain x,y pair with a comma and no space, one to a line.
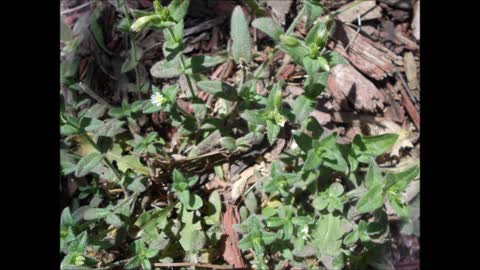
231,253
239,186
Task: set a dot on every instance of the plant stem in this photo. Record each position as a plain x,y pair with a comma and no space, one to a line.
295,21
351,5
134,48
109,164
182,64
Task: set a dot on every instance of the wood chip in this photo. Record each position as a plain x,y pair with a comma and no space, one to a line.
371,58
367,10
410,70
416,21
351,90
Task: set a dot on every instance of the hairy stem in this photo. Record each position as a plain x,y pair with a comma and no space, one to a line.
295,21
134,48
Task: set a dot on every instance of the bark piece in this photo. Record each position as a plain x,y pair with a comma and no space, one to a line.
410,70
371,58
367,10
351,90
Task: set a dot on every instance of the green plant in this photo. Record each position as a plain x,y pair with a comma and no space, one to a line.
322,204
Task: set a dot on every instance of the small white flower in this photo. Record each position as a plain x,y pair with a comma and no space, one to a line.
158,99
280,119
305,232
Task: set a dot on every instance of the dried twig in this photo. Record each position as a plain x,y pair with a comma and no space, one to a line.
94,95
75,8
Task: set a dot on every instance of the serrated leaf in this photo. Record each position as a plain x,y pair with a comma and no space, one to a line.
219,89
88,163
214,208
371,200
241,40
269,27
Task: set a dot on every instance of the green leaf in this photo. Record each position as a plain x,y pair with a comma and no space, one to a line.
66,217
133,163
269,27
398,182
143,21
327,235
372,146
373,176
219,89
351,238
275,98
336,189
315,84
241,40
65,31
313,10
195,202
297,52
274,221
272,131
334,58
114,220
96,213
97,30
146,265
320,203
214,208
165,69
178,9
268,237
191,236
245,242
317,35
312,66
302,107
228,143
313,161
133,262
371,200
400,208
254,116
251,203
132,61
88,163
